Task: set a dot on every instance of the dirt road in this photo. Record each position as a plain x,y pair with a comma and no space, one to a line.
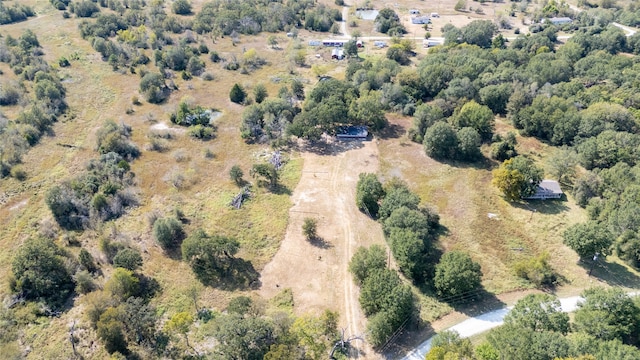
317,271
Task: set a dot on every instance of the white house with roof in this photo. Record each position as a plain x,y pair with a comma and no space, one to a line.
559,20
547,189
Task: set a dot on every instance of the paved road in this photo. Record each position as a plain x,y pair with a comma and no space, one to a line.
479,324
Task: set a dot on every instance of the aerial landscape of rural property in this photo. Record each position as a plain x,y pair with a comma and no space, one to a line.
320,179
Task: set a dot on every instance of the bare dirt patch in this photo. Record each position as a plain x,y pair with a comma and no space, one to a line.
317,271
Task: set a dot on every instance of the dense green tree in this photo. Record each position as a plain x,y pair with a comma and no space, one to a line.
409,251
315,335
128,258
260,93
209,256
539,312
517,177
40,273
242,337
510,182
608,314
396,197
469,142
588,238
504,149
365,261
448,344
420,221
387,21
180,323
111,331
87,261
181,7
369,192
153,87
520,343
236,174
479,32
476,116
496,97
457,276
237,94
123,284
423,118
441,141
168,233
267,174
562,163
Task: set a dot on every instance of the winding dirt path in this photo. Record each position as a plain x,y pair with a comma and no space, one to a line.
317,272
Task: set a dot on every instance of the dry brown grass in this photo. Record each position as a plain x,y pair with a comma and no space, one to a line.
95,93
463,195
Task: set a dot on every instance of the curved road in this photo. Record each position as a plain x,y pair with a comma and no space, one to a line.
479,324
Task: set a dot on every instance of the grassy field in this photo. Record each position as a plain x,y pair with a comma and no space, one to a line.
464,198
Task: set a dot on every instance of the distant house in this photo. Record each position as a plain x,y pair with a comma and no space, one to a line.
414,12
334,42
559,20
427,43
315,42
352,132
337,54
421,20
547,189
380,44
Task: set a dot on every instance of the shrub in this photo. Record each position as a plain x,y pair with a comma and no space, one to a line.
40,273
536,270
457,276
310,228
369,191
237,94
201,132
181,7
128,258
123,284
18,173
84,282
236,174
87,261
85,8
168,233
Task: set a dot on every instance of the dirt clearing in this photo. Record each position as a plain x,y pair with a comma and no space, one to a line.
317,271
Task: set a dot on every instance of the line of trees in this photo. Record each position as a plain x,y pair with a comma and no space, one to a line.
38,111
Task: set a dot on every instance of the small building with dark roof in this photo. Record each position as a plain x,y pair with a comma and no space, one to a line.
547,189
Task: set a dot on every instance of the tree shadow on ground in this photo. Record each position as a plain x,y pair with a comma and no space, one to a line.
331,146
411,336
391,131
550,207
611,273
482,163
319,242
476,303
239,274
280,189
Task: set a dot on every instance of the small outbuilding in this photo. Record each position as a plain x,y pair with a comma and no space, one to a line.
560,20
352,132
414,12
547,189
337,54
421,20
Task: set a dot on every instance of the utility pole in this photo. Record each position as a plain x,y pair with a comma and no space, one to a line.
595,258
